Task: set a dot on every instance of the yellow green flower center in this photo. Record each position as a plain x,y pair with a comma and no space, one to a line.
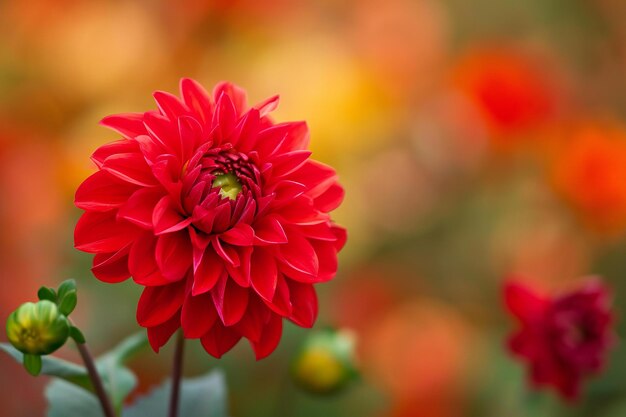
229,185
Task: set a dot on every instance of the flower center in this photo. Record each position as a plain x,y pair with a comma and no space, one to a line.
228,183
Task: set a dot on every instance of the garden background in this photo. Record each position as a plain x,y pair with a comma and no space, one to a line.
476,141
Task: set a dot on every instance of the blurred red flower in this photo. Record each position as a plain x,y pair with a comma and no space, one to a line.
512,91
563,339
589,171
218,212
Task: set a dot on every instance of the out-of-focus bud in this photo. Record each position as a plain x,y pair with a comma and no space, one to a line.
37,328
326,363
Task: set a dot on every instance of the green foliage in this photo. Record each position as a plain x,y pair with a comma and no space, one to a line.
66,287
67,297
67,400
51,366
203,396
46,293
118,380
67,303
77,335
32,363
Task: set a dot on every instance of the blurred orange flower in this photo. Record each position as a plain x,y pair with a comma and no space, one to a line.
589,171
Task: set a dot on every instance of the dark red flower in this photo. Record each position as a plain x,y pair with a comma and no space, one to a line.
219,213
564,338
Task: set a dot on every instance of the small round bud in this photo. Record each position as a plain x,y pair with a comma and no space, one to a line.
37,328
325,364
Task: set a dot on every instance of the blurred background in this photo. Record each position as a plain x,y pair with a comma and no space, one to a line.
475,140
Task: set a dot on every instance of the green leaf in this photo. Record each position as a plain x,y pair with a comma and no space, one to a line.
67,302
77,335
204,396
67,400
46,293
32,363
127,348
65,287
119,381
52,366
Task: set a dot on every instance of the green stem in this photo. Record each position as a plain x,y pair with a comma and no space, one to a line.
96,381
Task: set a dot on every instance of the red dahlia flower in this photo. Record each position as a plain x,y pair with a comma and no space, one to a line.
563,339
219,213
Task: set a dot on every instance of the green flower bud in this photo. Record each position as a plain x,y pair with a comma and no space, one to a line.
37,328
326,362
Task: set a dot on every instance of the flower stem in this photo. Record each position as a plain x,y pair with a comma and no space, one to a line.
177,371
105,402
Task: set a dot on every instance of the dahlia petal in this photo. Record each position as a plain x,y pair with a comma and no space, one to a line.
252,323
141,263
320,231
173,254
247,216
198,315
283,137
225,118
342,236
190,133
161,129
247,131
150,148
327,254
197,99
330,199
299,254
160,334
192,199
102,191
166,218
269,338
226,252
169,105
286,192
158,304
317,177
166,171
118,147
526,305
128,125
199,243
100,232
296,275
210,270
287,163
219,340
281,303
130,167
304,302
241,274
236,95
139,207
263,273
221,221
302,212
230,301
267,106
240,235
268,230
111,267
